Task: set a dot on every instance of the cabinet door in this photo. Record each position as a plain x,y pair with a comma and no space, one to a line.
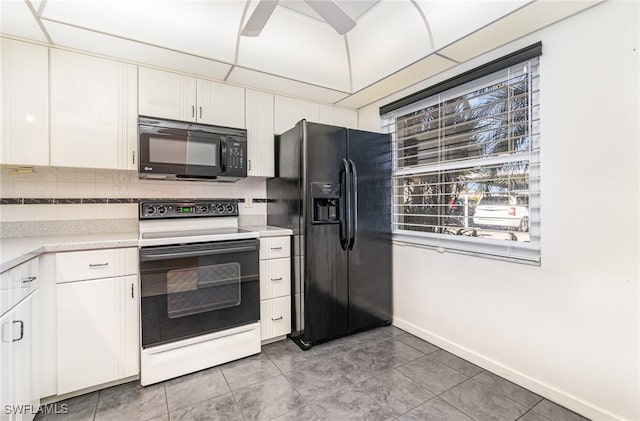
166,95
220,104
260,134
25,104
280,277
340,117
288,111
88,333
280,316
93,111
25,365
7,374
130,351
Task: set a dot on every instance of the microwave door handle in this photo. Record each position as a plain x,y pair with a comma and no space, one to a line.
223,154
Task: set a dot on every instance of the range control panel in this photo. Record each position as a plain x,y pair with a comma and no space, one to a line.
188,209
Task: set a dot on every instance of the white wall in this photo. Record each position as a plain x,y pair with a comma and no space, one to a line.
570,328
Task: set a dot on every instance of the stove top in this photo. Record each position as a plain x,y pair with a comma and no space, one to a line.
185,222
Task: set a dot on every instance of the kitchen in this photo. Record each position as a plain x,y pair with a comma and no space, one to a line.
72,194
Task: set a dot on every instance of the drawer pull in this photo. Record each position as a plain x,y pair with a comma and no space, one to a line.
276,279
276,248
277,318
21,330
97,265
29,279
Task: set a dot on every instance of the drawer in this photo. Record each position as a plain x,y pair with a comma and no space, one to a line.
96,264
275,247
275,278
17,283
280,316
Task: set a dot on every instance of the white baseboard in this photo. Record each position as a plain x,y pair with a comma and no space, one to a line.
543,389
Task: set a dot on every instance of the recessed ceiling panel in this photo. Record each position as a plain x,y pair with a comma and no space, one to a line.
205,28
69,36
385,40
300,48
522,22
16,19
270,83
413,74
468,16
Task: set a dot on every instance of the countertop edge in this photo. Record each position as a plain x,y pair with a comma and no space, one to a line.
268,230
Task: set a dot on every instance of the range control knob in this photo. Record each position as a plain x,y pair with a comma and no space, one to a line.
162,210
202,209
220,208
228,208
149,210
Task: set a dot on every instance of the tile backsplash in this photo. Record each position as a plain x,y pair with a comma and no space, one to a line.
88,190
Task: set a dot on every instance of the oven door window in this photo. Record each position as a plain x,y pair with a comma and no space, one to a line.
203,289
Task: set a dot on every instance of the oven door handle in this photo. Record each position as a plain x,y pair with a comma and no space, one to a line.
150,255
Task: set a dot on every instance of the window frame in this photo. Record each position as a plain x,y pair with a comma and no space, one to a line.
528,252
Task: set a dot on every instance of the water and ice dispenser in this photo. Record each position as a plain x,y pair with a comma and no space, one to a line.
325,198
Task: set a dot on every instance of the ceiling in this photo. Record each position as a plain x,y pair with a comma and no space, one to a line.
395,43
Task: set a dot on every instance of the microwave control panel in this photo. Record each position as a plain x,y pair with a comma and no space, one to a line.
236,158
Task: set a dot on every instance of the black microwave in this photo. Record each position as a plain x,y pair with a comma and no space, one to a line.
176,150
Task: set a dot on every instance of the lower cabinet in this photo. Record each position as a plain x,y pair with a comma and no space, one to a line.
275,288
275,317
97,332
19,393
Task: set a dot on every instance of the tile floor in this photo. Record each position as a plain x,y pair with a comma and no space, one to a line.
382,374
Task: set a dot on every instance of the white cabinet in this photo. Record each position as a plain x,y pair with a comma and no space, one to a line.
275,287
18,361
25,104
338,116
17,283
178,97
288,111
93,112
97,327
260,134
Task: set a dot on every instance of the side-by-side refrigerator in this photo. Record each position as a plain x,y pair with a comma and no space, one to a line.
333,189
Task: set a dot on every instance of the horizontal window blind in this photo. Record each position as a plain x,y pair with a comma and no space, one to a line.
467,166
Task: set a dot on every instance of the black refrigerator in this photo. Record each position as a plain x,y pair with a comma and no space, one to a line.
332,187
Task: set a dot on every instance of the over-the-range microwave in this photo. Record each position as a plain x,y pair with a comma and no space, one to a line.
177,150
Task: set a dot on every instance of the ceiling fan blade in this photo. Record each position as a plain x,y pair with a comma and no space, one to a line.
333,15
259,18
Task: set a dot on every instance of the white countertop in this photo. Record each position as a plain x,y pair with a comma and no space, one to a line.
15,250
268,230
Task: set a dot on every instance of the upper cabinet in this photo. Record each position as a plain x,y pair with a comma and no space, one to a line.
178,97
93,112
288,111
260,149
25,104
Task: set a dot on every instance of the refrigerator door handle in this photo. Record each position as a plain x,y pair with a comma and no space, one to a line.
345,219
354,204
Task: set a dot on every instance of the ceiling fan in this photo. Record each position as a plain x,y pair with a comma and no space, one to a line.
328,10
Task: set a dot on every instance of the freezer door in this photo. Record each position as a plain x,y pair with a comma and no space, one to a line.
326,291
370,264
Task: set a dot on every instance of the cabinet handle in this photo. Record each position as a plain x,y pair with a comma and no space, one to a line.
21,330
193,111
29,279
277,318
97,265
200,112
276,279
276,248
132,296
133,157
248,165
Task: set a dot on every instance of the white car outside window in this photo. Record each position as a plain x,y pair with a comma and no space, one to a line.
503,211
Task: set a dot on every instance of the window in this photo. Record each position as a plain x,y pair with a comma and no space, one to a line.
466,165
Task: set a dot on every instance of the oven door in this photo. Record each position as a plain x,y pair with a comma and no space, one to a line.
193,289
181,152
